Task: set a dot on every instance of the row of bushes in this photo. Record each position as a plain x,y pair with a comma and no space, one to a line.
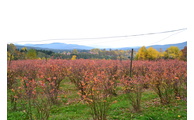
36,84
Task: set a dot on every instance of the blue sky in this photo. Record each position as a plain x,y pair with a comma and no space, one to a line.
44,20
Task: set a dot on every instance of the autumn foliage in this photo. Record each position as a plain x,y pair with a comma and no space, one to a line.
37,83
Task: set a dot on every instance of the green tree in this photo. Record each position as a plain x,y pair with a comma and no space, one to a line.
24,49
22,53
141,54
172,52
31,54
120,54
152,53
75,52
95,51
11,49
9,56
14,54
42,55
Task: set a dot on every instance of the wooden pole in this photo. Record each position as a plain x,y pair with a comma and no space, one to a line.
131,63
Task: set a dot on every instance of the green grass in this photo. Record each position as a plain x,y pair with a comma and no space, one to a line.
70,112
74,109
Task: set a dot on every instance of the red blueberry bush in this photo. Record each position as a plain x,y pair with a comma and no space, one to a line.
35,84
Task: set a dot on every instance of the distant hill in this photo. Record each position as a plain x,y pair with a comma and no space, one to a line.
157,47
164,47
38,48
58,46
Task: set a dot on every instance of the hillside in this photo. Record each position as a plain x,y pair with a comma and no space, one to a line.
57,47
61,46
157,47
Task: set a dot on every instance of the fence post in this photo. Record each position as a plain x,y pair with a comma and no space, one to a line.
131,63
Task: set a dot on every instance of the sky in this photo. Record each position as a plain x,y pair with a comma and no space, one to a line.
38,22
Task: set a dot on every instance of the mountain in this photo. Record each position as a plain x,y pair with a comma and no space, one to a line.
164,47
157,47
58,46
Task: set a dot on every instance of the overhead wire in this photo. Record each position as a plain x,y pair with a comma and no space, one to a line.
166,37
177,31
109,37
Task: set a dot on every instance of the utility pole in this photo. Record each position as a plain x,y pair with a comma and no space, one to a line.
131,63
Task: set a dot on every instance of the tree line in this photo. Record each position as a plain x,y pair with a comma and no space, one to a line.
172,52
13,53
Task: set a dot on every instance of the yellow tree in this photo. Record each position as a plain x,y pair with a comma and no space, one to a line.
141,54
172,53
152,53
161,53
73,57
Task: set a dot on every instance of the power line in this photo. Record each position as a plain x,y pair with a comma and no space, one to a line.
166,37
159,32
135,35
177,31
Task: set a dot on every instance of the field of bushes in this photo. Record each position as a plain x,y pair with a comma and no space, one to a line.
81,89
